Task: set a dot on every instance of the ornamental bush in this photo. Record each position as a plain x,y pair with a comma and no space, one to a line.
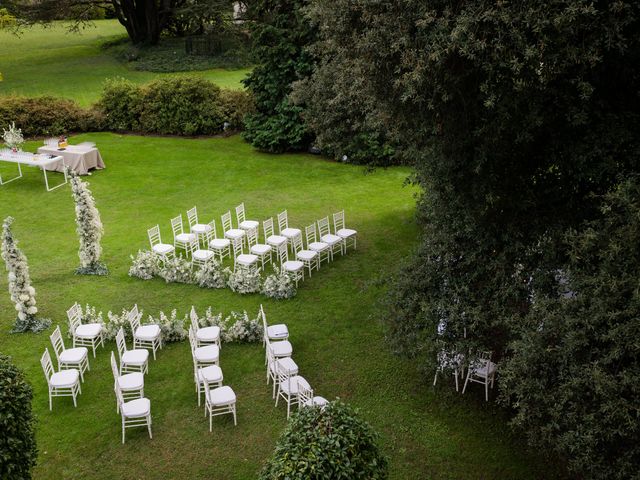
329,442
121,103
18,452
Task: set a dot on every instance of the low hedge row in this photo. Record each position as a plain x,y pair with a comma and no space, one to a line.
183,105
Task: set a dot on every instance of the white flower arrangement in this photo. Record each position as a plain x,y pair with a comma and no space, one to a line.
22,294
114,323
144,265
238,327
279,285
211,320
89,228
177,270
172,327
13,137
211,275
243,280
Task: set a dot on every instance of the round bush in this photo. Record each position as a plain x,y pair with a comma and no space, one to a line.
18,451
327,443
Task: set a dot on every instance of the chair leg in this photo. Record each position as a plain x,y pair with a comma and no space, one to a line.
435,378
149,426
486,389
466,381
455,373
235,423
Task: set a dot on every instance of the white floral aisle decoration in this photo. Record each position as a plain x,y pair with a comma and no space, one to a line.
176,270
279,285
13,137
243,280
172,326
23,295
237,327
89,228
210,275
144,265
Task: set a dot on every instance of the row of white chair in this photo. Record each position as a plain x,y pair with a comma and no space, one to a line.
283,371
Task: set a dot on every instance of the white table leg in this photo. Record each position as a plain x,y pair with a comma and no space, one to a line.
14,178
46,180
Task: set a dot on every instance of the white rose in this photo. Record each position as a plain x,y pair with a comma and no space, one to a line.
32,310
12,277
22,316
18,307
31,290
24,297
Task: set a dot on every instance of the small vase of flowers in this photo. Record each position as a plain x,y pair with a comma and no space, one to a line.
13,138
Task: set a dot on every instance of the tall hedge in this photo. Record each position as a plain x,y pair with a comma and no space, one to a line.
18,452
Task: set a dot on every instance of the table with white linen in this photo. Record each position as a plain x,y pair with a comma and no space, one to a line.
44,162
77,157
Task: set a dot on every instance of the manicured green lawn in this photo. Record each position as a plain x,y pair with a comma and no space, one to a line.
53,61
426,432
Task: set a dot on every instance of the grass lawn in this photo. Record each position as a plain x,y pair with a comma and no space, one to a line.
53,61
426,432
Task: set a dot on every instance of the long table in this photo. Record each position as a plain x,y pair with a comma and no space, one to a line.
44,162
79,158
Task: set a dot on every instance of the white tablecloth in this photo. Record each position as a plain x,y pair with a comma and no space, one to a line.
76,157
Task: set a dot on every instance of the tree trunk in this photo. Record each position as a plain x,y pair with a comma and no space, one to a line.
141,19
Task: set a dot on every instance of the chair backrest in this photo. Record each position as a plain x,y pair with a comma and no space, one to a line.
210,234
305,395
154,235
323,226
75,320
297,243
267,226
119,399
121,343
192,216
237,246
240,213
252,237
75,312
481,359
47,366
114,367
264,325
283,221
176,225
191,247
310,232
338,220
134,318
57,342
192,338
226,222
194,319
283,253
284,375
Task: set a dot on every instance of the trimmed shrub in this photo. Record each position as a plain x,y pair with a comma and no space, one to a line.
331,442
236,104
48,116
120,103
18,452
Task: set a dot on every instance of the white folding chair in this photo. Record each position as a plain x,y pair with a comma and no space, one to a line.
307,399
136,360
205,355
204,335
323,249
295,268
247,261
131,385
269,238
335,242
84,335
310,258
163,250
348,235
220,401
199,229
205,377
144,336
272,332
65,383
450,361
200,255
278,350
283,227
272,368
134,413
180,238
74,358
222,246
288,387
481,370
230,232
261,250
243,223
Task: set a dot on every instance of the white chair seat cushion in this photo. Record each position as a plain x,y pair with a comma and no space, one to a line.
147,332
135,357
208,334
318,246
209,353
292,265
64,378
186,237
290,232
281,349
276,240
89,330
218,243
131,381
331,239
202,254
346,232
291,387
200,228
249,224
246,259
260,249
163,248
316,401
287,364
140,407
222,396
306,254
234,233
486,370
210,374
279,330
73,355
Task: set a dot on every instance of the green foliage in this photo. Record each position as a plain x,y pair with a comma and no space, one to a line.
48,115
121,103
280,35
236,105
327,443
18,452
6,18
